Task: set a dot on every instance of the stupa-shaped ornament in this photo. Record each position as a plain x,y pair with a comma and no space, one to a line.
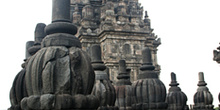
59,76
176,99
103,87
123,88
149,92
203,98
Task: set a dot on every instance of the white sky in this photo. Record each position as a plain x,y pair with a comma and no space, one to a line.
189,30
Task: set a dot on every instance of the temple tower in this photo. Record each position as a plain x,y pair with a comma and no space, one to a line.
120,28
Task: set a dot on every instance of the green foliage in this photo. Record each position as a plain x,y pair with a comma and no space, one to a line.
216,108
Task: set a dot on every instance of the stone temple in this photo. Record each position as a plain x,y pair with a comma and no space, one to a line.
120,27
98,55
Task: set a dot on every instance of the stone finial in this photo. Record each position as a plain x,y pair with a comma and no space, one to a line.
176,99
96,59
147,65
146,55
28,45
39,33
123,75
173,80
146,15
201,79
61,31
39,36
122,66
61,11
203,98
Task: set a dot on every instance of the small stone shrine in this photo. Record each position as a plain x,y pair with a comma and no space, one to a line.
176,99
203,98
103,87
123,88
149,92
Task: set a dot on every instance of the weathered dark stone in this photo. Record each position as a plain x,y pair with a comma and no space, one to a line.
60,76
96,58
39,33
176,99
123,75
103,87
18,90
61,11
216,55
39,36
203,98
118,26
28,45
148,91
123,88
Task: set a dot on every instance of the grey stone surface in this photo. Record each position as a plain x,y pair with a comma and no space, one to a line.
59,76
103,87
216,55
39,35
60,12
148,91
18,90
176,99
203,98
123,88
118,26
28,45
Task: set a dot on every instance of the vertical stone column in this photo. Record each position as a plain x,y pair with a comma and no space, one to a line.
61,11
176,99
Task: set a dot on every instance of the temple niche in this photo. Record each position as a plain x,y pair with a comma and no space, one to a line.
120,27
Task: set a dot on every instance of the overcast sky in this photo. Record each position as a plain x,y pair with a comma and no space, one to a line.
189,30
